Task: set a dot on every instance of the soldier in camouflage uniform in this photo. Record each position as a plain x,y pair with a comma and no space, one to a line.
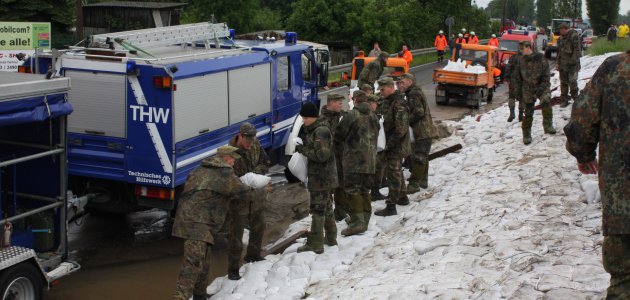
332,113
569,52
512,76
201,212
396,125
253,159
422,126
373,70
358,131
376,105
322,178
601,115
367,89
534,72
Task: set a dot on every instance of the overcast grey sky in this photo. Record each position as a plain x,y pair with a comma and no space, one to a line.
624,6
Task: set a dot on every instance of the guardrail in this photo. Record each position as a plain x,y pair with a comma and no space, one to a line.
348,66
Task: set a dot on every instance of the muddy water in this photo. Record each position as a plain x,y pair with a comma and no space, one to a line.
134,257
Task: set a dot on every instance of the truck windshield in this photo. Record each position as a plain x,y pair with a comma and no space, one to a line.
507,45
474,55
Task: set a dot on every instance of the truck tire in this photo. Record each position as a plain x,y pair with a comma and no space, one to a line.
21,282
548,54
441,100
490,94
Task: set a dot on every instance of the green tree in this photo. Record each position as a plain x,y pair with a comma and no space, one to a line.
239,14
568,8
60,13
602,13
544,12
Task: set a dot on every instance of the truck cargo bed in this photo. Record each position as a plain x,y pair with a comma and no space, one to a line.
460,78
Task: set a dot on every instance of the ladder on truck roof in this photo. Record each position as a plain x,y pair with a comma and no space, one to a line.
164,36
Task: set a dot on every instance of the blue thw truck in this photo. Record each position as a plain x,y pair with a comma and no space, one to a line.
150,104
34,206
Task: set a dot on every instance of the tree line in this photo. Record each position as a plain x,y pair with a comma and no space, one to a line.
354,22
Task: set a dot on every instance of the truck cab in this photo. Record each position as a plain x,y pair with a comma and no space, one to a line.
509,43
459,84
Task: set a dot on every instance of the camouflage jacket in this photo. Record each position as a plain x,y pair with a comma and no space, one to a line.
358,131
569,50
420,118
601,115
333,118
205,200
371,72
513,77
318,148
396,125
253,160
534,72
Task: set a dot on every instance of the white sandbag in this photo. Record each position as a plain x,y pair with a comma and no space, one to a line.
289,148
254,180
298,165
381,141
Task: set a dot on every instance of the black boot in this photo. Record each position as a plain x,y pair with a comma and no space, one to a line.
511,117
389,210
200,297
404,200
376,195
233,275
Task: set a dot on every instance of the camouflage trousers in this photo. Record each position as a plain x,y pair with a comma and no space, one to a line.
251,212
359,184
512,104
379,170
616,260
568,80
395,179
321,205
193,277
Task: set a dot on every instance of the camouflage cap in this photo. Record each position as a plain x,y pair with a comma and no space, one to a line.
383,55
386,81
367,87
359,96
408,77
247,130
563,26
334,97
228,150
372,98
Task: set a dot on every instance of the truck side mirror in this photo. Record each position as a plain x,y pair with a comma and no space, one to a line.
324,56
323,74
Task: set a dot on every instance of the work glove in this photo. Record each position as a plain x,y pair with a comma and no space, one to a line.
298,141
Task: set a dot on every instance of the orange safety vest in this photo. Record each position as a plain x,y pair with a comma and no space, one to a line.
460,41
440,42
408,57
493,42
473,40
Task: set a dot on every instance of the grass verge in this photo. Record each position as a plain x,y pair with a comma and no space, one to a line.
602,46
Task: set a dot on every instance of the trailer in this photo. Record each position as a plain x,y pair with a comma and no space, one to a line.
33,184
151,104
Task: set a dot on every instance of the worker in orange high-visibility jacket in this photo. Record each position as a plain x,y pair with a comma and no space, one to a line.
440,43
473,39
406,54
460,39
493,41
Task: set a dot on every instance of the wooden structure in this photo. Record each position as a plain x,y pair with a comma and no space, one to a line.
108,17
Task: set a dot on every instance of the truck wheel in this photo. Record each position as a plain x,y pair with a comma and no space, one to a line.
441,100
490,94
548,54
21,281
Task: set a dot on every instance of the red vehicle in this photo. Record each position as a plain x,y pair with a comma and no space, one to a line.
508,45
508,25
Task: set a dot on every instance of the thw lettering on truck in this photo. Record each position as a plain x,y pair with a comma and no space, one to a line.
149,114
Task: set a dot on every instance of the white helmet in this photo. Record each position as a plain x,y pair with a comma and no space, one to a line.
441,32
463,29
472,33
460,35
494,35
